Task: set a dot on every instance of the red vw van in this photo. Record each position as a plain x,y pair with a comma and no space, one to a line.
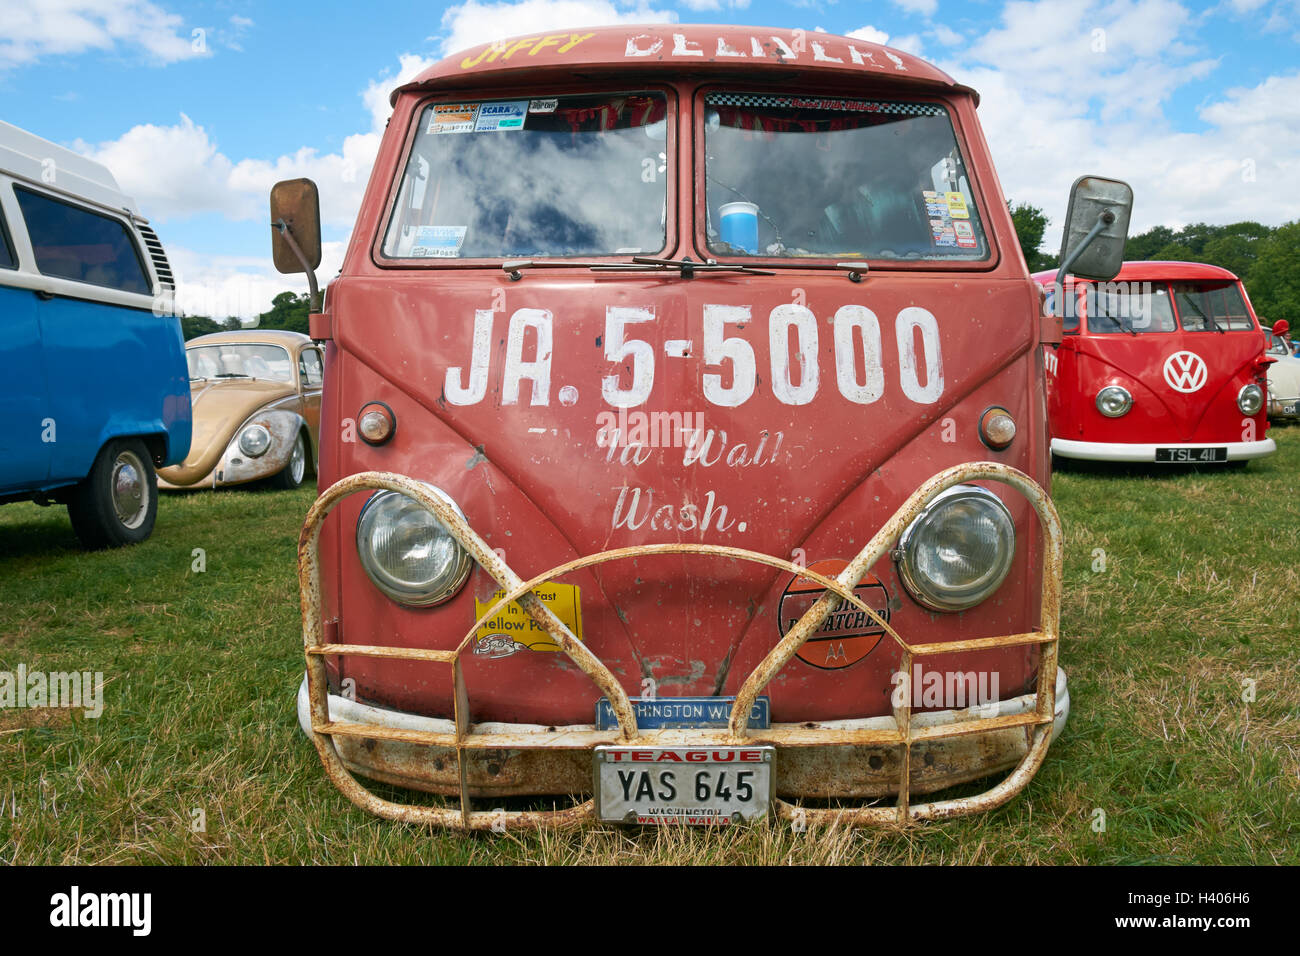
683,442
1164,364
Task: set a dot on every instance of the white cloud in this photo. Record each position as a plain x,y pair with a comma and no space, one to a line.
473,22
946,35
700,5
1059,100
177,172
908,44
924,7
170,171
870,34
221,286
377,93
33,29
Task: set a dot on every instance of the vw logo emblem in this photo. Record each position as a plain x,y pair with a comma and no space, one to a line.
1185,371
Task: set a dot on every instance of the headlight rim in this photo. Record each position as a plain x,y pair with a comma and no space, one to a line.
244,432
903,556
1259,395
389,585
1128,401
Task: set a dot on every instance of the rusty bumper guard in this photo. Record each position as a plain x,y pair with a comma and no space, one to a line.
949,747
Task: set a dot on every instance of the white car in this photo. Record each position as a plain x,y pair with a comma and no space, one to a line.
1283,376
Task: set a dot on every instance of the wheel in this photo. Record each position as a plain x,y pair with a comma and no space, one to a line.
291,475
116,503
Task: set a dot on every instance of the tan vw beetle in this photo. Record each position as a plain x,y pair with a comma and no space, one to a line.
256,396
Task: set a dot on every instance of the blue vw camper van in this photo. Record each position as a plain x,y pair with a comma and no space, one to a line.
94,390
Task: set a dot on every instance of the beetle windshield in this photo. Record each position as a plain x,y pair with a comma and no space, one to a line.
798,177
562,176
1129,307
1211,306
270,363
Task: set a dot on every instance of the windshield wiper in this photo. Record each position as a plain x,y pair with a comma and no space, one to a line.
688,268
231,375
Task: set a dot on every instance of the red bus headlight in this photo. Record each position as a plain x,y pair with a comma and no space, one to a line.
1113,401
958,550
1250,399
406,551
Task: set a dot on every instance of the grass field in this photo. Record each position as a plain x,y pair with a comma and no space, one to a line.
1200,594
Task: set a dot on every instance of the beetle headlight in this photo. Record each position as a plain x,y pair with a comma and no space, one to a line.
1113,401
1250,399
958,550
407,552
254,441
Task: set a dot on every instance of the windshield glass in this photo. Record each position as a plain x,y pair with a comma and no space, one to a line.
269,363
1129,307
1211,306
797,177
563,176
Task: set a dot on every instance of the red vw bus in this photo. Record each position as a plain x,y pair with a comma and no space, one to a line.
683,443
1164,364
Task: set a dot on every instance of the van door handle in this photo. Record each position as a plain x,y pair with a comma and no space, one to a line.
45,295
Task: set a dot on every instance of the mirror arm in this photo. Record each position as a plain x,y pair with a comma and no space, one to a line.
287,233
1104,219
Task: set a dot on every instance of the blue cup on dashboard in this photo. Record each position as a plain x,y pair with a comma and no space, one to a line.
739,225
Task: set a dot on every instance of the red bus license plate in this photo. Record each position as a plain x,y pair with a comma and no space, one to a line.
692,786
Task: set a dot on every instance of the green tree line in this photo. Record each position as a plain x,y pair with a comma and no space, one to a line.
1265,258
288,311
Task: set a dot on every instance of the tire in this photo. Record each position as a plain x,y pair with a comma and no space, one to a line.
117,503
292,474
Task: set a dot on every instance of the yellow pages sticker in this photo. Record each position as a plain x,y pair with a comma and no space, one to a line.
511,629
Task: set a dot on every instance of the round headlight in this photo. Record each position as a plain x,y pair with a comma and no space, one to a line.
958,550
1250,399
254,441
1113,401
406,551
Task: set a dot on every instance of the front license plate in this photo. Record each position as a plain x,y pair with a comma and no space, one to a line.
1289,408
1192,456
666,713
691,786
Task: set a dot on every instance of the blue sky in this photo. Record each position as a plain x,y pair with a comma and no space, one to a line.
1198,105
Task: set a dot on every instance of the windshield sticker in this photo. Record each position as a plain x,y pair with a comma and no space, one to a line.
453,118
543,106
438,242
936,204
501,116
965,234
957,206
942,232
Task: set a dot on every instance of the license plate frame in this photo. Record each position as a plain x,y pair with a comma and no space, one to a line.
1210,454
622,773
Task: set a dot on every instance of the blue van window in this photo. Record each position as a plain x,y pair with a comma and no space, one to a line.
74,243
7,260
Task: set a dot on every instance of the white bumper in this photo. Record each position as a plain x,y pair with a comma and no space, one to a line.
1124,451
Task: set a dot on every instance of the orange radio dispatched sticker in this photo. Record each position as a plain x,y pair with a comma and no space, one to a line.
848,634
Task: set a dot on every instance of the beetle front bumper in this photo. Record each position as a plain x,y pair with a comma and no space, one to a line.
895,755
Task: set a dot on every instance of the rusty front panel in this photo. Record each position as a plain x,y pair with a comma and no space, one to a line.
994,741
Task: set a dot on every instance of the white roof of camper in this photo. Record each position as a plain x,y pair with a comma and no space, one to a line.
27,156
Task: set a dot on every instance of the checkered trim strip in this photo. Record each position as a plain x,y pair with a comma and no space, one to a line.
823,103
